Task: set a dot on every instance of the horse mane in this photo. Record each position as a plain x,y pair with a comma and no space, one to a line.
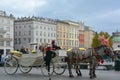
99,46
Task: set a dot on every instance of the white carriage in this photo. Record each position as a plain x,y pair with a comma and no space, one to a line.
25,62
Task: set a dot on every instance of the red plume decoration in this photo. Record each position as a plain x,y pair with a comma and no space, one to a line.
103,40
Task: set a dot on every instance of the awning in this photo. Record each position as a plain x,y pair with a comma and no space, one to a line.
82,49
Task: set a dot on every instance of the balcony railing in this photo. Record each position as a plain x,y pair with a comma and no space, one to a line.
5,39
3,31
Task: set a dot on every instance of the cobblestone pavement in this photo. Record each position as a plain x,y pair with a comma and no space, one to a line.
35,74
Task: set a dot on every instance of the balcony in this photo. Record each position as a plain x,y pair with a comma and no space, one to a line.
5,39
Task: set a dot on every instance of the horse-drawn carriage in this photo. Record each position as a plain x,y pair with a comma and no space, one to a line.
25,62
93,56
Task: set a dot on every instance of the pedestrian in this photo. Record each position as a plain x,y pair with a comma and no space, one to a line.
23,50
27,50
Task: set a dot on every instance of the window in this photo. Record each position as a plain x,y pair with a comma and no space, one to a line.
44,34
16,27
36,27
1,43
44,40
24,33
36,39
44,27
54,35
48,34
1,36
54,29
7,51
19,40
8,21
19,27
8,35
40,33
19,33
0,20
51,35
15,41
29,40
8,43
36,33
29,32
8,29
24,26
1,28
40,40
29,26
40,27
15,33
48,40
48,28
24,39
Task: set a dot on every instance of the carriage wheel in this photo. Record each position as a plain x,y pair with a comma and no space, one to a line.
59,68
44,69
11,65
25,69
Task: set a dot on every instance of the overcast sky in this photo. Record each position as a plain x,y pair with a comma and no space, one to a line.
101,15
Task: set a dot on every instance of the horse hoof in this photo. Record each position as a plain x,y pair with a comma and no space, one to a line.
94,76
79,75
91,77
71,76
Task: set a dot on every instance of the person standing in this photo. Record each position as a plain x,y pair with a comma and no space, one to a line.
49,55
54,45
23,50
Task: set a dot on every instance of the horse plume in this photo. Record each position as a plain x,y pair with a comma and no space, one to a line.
103,40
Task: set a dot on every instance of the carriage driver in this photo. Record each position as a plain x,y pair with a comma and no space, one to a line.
49,55
54,45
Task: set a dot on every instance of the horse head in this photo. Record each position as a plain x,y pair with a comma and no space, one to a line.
105,48
104,52
109,52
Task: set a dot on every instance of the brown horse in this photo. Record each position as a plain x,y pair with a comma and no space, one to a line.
91,56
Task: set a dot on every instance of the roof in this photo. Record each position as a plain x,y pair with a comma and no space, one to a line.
116,39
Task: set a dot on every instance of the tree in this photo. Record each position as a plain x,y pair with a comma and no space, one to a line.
96,42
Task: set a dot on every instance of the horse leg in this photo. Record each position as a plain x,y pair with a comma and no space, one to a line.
69,69
78,70
91,70
94,75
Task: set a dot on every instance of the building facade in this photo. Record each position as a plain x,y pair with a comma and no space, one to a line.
62,34
81,35
116,40
88,36
6,32
34,30
68,34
